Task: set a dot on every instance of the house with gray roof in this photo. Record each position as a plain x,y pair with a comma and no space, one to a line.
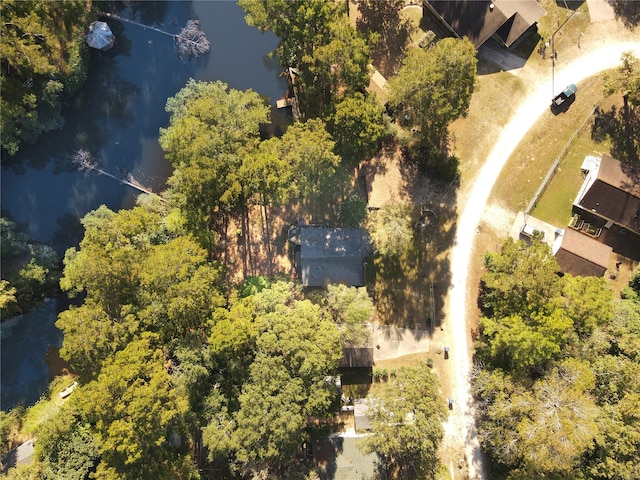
325,255
21,455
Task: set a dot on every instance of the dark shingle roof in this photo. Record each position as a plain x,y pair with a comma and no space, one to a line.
333,255
615,194
356,358
475,20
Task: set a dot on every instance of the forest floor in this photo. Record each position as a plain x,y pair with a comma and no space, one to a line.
484,143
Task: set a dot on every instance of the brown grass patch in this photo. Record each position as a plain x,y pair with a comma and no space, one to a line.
411,360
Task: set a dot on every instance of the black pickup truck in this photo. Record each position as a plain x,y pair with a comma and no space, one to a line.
565,95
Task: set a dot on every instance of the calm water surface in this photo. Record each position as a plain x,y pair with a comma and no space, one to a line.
116,117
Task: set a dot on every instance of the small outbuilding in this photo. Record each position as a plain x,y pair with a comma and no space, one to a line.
100,36
21,455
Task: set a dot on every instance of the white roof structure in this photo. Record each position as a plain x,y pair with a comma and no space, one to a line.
100,36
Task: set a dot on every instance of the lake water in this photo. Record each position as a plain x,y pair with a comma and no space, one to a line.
116,117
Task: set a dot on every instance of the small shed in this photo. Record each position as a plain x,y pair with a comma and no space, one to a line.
21,455
356,358
100,36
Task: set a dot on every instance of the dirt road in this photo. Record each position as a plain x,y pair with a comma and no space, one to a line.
460,430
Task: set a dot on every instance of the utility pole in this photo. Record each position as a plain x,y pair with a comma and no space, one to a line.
554,55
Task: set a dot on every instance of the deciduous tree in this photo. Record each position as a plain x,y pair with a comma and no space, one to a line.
434,87
391,228
406,420
91,336
525,343
625,79
178,289
293,347
65,446
520,279
108,263
540,430
43,57
331,59
134,409
351,308
588,302
212,129
358,125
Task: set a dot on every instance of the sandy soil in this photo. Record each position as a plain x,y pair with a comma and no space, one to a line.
461,435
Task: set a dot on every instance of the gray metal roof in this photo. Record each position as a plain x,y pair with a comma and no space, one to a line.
333,255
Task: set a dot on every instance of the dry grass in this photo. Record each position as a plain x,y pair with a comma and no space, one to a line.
410,360
474,136
539,148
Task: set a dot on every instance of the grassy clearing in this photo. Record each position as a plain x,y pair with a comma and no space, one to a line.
413,14
47,406
526,168
554,206
566,40
411,360
474,136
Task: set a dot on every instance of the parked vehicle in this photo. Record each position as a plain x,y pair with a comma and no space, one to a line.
532,232
565,95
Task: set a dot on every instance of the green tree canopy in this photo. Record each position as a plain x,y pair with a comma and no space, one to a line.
358,126
107,265
134,409
434,87
543,430
43,56
533,316
292,346
331,59
65,446
526,343
406,419
30,270
391,228
520,279
300,163
136,278
588,301
626,79
351,308
212,130
91,336
576,416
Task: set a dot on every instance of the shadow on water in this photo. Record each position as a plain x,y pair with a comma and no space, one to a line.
116,117
24,374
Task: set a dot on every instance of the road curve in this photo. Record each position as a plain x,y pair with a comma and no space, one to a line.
461,423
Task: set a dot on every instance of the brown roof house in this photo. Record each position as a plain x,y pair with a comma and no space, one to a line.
505,20
606,217
581,255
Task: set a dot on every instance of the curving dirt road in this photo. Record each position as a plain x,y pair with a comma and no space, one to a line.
460,429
